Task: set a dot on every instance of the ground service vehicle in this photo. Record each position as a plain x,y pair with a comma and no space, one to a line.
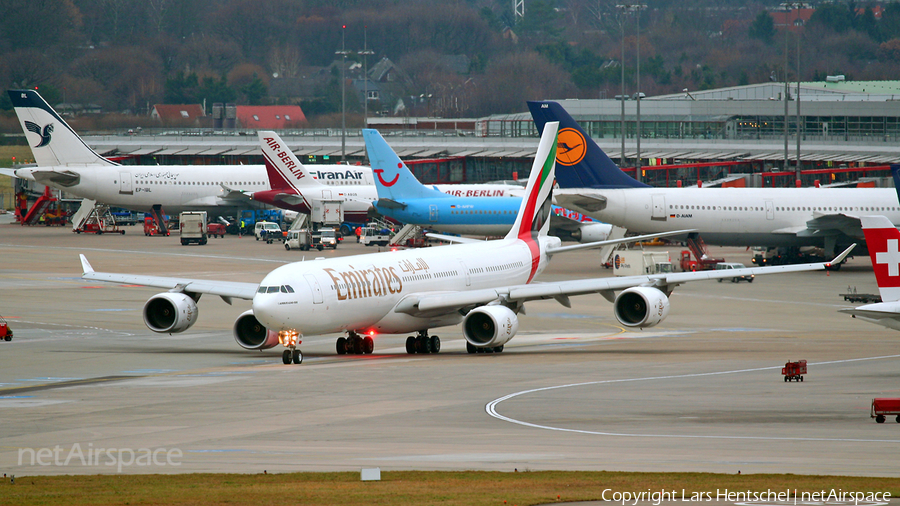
794,371
6,333
732,265
267,230
193,227
215,229
298,239
882,408
324,238
637,262
373,235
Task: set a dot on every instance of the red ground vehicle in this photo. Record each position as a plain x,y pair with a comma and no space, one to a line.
215,229
794,371
6,333
882,408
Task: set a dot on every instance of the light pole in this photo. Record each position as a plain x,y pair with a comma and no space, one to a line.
343,53
622,96
365,54
633,8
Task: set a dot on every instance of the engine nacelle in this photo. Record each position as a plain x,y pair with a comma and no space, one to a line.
170,312
489,326
592,232
641,306
250,334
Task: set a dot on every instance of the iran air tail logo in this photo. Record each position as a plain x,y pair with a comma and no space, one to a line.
570,147
378,173
45,134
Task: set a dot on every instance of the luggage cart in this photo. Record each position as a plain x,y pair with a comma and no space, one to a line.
883,408
794,371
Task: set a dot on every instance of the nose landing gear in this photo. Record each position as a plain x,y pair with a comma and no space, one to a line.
423,343
354,344
290,339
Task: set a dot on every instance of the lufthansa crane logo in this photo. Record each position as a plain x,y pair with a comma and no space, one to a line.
570,147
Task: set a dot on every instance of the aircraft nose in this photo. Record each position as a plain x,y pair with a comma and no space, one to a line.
281,306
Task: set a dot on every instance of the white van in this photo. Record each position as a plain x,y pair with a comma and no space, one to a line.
267,230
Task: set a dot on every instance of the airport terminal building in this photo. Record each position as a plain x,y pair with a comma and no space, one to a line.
847,131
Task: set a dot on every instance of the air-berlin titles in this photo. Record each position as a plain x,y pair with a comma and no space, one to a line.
285,158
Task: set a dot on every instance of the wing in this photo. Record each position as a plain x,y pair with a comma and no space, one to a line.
33,127
823,224
224,289
442,303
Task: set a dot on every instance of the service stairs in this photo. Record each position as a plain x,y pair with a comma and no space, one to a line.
300,222
38,208
407,232
83,213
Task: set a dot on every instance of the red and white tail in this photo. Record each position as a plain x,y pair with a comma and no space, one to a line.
883,243
283,168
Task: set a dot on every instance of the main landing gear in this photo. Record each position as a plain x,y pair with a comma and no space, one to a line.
423,343
481,349
353,344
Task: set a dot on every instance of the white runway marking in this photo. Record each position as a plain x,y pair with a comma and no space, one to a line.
491,407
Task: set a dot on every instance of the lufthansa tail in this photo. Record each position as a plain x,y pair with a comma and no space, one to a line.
52,140
580,161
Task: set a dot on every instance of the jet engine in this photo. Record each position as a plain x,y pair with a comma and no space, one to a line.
250,334
592,232
641,306
489,326
170,312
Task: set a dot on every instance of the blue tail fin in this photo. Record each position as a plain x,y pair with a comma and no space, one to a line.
895,171
580,163
393,179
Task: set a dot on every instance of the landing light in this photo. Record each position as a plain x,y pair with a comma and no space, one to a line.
288,338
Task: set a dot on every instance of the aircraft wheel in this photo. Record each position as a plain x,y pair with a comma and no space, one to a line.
422,344
435,344
720,280
341,345
498,349
470,349
357,345
368,345
298,357
286,357
411,345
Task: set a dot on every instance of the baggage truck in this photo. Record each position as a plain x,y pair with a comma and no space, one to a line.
639,262
882,408
193,227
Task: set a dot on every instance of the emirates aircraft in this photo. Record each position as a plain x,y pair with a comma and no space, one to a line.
483,284
591,183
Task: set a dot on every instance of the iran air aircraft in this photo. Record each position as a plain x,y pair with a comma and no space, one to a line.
65,162
293,187
591,183
403,198
483,284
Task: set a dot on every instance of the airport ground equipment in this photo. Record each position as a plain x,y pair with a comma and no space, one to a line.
883,408
34,213
216,229
370,235
298,239
6,333
99,221
794,371
701,253
324,238
637,262
193,227
853,296
734,265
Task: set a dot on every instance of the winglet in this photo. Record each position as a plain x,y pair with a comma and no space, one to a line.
85,265
840,258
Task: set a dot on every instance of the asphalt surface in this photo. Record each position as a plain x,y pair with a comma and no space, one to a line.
84,382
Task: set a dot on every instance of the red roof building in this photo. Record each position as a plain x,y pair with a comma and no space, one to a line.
182,114
270,117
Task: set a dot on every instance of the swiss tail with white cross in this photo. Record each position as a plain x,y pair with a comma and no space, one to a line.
883,242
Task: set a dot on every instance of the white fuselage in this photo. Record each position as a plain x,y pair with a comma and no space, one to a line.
735,216
361,293
200,187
